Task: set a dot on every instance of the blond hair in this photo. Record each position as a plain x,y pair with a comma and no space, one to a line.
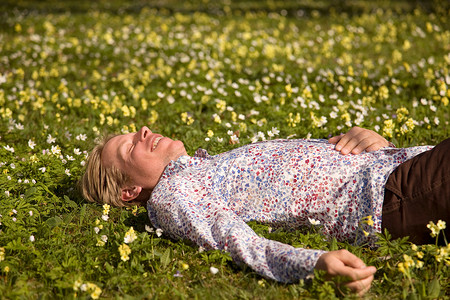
100,184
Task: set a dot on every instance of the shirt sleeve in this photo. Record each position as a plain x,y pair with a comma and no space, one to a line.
210,224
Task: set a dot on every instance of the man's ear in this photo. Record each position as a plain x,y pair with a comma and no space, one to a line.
130,193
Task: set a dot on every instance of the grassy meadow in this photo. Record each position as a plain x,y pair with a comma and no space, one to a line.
217,75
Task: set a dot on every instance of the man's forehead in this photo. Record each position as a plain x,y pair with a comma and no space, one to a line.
114,147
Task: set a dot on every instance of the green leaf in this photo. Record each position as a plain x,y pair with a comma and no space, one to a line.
434,288
166,258
54,221
70,203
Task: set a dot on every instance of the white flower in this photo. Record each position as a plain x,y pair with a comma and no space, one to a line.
31,144
77,151
43,169
32,238
105,217
19,126
81,137
13,166
275,131
55,150
69,157
436,121
7,193
8,148
148,228
159,232
96,229
130,236
104,238
213,270
261,135
234,139
14,219
170,99
50,139
67,171
313,221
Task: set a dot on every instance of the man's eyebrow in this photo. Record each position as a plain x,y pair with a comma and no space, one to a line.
121,149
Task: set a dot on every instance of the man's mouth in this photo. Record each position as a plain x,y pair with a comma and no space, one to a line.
155,142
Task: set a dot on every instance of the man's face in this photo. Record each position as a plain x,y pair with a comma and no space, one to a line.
142,155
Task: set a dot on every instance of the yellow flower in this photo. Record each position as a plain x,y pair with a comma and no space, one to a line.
106,208
124,251
2,253
221,105
77,284
369,221
442,254
409,262
434,229
210,133
388,129
441,225
401,268
402,112
6,269
184,266
186,118
94,290
153,116
419,264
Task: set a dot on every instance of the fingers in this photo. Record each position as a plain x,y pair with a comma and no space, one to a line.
357,140
335,139
350,259
347,265
361,286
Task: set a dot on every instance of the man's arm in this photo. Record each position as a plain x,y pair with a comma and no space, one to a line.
348,265
357,140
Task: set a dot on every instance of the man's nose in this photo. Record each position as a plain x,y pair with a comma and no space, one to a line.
143,133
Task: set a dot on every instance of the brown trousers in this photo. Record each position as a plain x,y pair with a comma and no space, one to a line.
417,192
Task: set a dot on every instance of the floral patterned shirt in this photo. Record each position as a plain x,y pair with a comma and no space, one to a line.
208,199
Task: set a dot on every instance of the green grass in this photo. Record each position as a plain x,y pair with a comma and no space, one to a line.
72,70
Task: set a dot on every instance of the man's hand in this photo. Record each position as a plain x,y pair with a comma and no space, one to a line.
348,265
357,140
